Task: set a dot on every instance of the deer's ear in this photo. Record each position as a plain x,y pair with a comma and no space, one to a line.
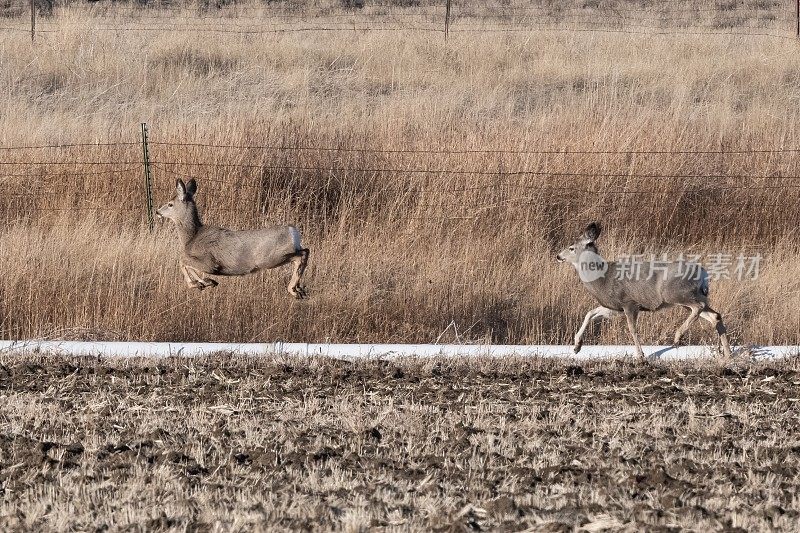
180,187
592,231
191,187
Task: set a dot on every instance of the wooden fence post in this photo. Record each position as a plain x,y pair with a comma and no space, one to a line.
447,19
33,19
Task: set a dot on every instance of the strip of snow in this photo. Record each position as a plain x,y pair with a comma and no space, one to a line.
369,351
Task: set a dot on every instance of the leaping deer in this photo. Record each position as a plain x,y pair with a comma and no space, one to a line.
215,251
651,289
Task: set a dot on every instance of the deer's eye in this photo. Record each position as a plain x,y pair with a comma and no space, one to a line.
169,204
571,248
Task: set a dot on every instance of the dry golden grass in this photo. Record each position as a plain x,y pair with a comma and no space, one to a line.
234,444
397,254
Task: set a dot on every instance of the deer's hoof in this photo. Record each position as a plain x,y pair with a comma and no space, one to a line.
299,293
577,347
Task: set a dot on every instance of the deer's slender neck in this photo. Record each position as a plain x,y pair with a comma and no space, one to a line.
189,225
593,270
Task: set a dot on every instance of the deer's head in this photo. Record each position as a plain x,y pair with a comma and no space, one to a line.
585,243
182,206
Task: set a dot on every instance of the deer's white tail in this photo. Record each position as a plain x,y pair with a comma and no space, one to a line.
295,238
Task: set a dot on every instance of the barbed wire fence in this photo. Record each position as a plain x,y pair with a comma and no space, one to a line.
148,168
779,21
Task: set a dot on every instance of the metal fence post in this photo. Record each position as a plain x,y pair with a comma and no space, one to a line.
148,180
33,19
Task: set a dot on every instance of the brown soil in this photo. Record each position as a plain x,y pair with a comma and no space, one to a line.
239,444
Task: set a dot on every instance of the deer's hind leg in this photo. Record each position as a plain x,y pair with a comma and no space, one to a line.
299,261
695,310
715,319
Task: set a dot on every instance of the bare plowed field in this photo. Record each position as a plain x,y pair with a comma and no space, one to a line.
241,444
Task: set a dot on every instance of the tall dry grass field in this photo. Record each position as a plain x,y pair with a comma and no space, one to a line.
451,174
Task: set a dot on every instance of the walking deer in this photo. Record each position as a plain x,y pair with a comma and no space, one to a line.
650,287
214,251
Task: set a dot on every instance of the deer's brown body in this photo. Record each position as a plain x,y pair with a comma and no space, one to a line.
214,251
621,289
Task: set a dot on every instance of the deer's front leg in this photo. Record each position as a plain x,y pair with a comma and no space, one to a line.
201,278
191,281
594,314
579,335
196,279
631,313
